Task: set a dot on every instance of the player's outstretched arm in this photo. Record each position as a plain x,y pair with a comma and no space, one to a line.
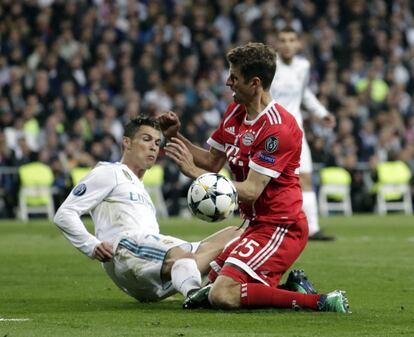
206,160
68,219
84,197
250,189
178,151
312,104
170,124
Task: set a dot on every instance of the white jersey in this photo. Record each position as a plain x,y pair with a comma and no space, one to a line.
117,202
290,89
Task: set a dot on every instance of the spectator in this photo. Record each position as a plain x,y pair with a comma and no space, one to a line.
148,56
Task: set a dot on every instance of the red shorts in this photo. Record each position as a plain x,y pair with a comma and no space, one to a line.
264,252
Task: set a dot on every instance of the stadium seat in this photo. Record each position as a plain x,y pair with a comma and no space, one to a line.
77,173
334,192
35,195
393,188
153,181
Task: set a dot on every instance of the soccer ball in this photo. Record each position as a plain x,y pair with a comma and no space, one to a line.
212,197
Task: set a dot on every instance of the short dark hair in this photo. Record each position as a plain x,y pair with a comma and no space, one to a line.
288,29
255,59
134,124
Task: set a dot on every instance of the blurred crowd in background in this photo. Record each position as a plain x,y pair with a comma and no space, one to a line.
72,72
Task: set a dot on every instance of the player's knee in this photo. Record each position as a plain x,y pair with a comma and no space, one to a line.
224,298
173,256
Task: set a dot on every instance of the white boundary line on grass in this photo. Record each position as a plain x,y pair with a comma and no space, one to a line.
14,319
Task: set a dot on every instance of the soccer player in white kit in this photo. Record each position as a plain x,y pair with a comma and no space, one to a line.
142,262
290,89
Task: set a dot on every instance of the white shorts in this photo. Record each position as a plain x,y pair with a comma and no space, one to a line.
305,158
136,266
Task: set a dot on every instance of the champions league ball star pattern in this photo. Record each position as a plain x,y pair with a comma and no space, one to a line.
212,197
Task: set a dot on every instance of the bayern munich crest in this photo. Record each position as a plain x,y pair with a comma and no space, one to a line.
248,139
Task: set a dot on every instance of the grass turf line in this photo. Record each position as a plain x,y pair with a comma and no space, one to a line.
42,277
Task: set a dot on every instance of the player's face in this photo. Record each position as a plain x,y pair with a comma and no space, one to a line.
287,45
143,149
242,90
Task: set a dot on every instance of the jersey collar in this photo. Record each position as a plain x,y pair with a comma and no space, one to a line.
253,121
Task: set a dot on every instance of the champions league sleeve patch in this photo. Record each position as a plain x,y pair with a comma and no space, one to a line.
265,157
271,144
79,190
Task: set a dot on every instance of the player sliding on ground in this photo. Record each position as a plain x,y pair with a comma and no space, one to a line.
261,142
142,262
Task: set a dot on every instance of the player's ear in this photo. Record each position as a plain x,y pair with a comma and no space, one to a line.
256,82
126,143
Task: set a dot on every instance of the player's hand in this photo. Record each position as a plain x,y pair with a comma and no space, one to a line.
103,252
178,151
329,120
170,124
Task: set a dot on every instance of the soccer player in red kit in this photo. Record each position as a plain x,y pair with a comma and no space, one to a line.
261,142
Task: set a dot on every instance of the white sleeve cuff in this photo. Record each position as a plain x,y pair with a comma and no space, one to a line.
89,246
215,144
263,170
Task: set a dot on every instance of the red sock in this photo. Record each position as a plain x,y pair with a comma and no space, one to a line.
260,295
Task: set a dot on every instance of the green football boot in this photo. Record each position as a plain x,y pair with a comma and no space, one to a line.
334,301
198,298
298,281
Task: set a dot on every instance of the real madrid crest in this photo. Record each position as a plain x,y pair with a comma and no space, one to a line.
271,144
248,139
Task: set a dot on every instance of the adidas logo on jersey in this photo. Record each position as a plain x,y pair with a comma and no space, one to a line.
230,129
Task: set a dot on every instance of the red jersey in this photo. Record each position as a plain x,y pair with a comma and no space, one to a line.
271,145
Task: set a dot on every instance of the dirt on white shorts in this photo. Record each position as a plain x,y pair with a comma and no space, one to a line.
136,265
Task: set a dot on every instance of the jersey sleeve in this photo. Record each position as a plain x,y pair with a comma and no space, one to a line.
312,104
271,152
309,100
90,191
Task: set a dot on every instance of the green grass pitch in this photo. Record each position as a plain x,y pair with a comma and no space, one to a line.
63,293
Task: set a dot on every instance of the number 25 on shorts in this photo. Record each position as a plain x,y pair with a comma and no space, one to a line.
245,248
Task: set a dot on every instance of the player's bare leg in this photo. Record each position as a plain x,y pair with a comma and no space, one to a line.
184,268
213,245
225,293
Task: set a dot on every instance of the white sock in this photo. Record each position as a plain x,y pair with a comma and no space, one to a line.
185,275
310,207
